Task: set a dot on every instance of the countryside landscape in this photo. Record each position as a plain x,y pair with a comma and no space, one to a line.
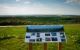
12,38
16,15
39,19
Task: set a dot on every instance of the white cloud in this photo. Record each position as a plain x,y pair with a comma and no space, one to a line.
24,10
18,0
24,1
27,2
16,10
73,1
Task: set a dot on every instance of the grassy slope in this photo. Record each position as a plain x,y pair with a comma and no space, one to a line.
18,33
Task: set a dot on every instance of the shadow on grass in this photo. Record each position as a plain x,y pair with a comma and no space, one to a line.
5,38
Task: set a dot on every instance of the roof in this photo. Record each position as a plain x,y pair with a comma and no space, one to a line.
45,28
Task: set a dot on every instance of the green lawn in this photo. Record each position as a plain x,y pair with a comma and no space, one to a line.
12,38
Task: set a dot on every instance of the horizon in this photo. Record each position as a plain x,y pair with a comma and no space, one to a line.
39,15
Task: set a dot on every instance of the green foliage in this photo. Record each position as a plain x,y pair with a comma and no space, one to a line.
24,20
17,41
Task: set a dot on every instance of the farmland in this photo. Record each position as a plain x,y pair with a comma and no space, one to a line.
39,20
12,38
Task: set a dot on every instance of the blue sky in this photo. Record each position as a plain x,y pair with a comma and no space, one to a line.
33,7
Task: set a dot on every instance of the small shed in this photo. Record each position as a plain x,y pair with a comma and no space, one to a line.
45,33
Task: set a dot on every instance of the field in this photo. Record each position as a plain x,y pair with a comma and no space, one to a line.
12,38
39,20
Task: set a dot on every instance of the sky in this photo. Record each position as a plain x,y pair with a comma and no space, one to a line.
40,7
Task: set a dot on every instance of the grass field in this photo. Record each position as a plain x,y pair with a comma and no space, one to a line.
12,38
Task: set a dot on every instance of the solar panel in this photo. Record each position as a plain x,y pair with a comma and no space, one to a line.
45,28
41,37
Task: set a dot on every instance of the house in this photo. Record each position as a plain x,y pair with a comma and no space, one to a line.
45,33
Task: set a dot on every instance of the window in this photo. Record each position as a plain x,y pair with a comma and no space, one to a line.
27,36
39,39
53,33
47,34
48,39
32,40
38,34
54,38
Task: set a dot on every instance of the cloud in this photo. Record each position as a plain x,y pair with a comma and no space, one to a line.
40,9
73,1
18,0
10,10
27,2
24,1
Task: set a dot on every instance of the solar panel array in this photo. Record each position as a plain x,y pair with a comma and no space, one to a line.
45,28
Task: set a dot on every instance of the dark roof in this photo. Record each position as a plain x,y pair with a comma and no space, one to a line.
45,28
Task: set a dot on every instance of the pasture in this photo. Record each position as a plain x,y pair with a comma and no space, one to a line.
12,38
